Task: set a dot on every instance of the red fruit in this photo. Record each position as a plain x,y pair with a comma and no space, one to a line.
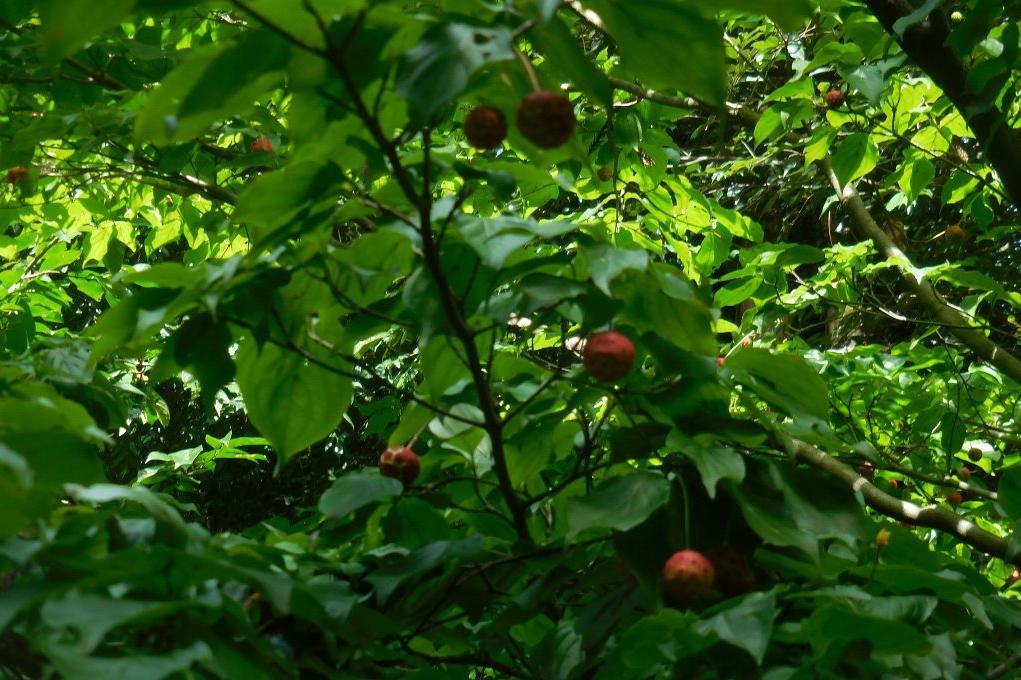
485,127
261,145
746,343
895,483
955,233
975,454
608,356
546,119
734,576
867,470
604,174
17,175
401,463
687,577
720,361
965,473
834,99
955,498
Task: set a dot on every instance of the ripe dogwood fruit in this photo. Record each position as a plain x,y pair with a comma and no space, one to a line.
965,473
955,233
733,574
720,361
608,356
261,145
17,174
401,463
604,174
485,127
955,498
546,119
975,454
834,99
688,577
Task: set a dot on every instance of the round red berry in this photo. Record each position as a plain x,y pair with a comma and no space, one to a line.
261,145
608,356
687,577
546,119
17,174
485,127
401,463
734,576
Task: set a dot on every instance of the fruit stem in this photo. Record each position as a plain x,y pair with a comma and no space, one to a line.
529,69
687,512
414,439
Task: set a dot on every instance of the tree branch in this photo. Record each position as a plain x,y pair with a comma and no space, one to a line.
926,44
930,516
954,320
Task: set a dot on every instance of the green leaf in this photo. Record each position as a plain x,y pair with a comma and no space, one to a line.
620,504
785,381
855,157
605,263
91,617
386,579
662,638
66,25
656,37
73,666
797,507
748,624
714,462
1009,492
292,401
789,14
496,238
562,53
356,490
212,83
830,624
158,508
438,69
288,202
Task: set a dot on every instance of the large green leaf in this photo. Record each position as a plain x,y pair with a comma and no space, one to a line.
748,624
440,66
855,157
790,14
621,503
355,490
668,44
786,381
212,83
292,401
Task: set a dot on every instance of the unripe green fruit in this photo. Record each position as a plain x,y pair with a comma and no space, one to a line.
956,17
627,129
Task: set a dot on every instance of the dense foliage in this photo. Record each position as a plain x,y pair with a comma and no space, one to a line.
686,330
